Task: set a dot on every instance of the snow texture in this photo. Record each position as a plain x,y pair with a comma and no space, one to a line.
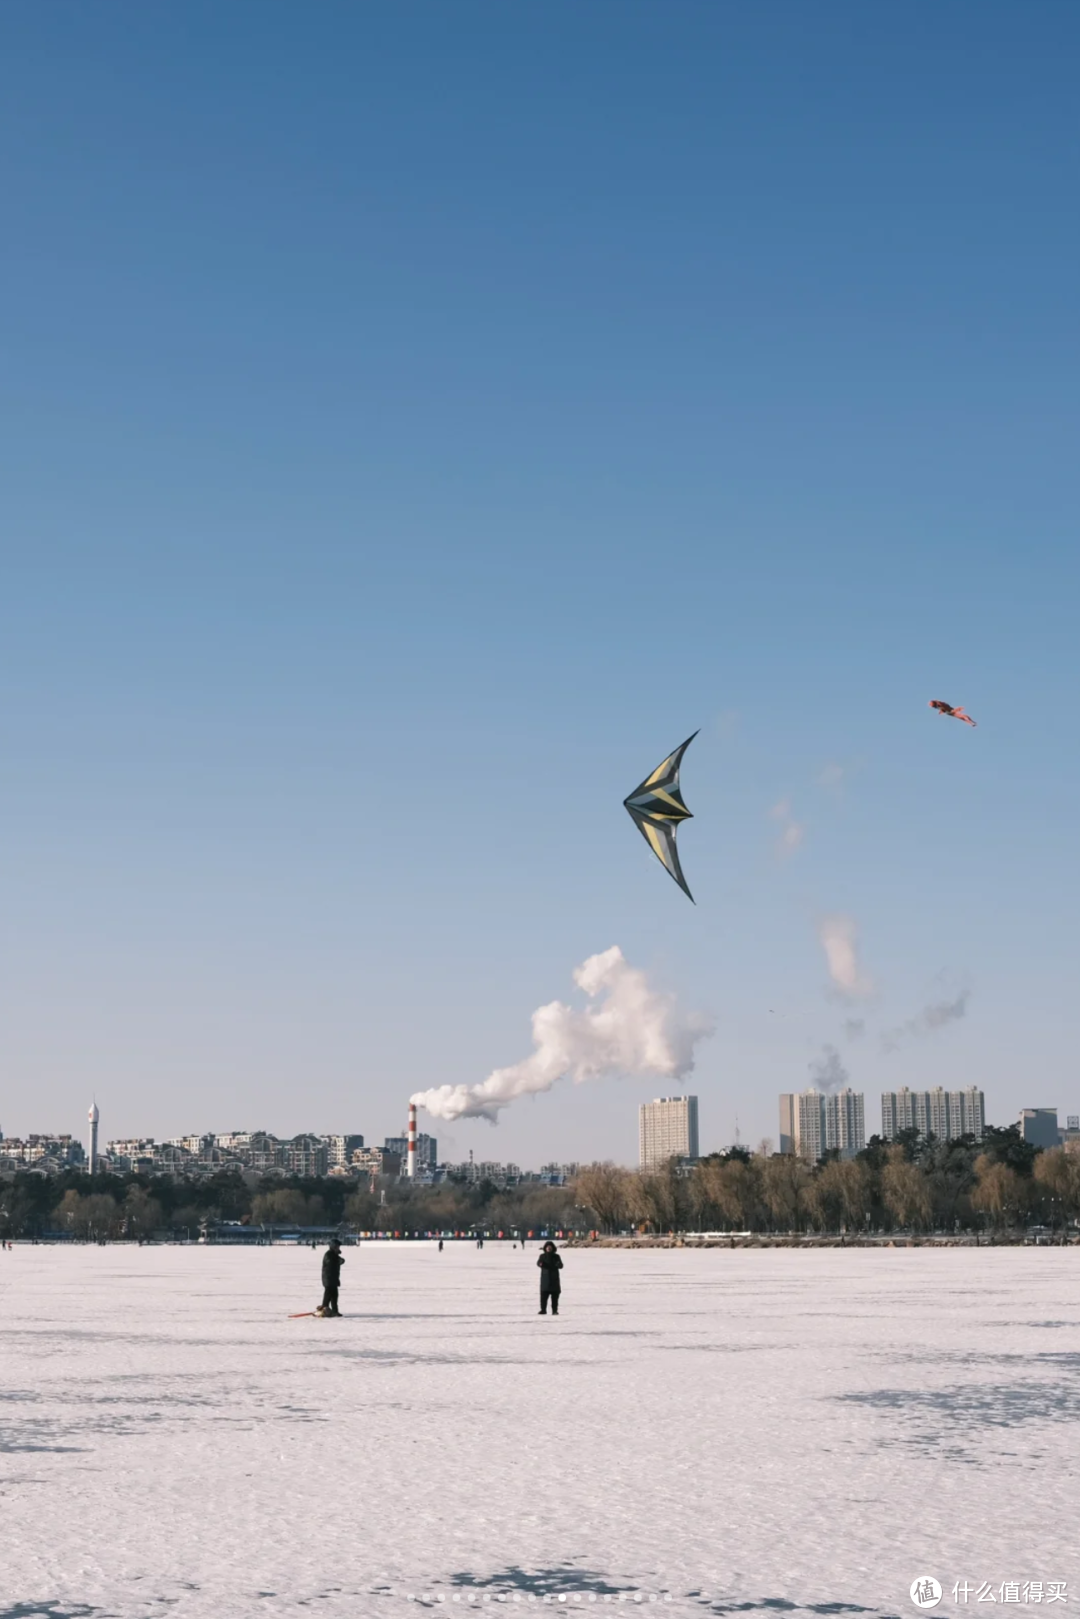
700,1433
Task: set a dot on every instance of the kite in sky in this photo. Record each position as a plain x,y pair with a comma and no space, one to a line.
657,808
953,713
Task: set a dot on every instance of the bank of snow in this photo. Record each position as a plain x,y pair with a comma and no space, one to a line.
747,1429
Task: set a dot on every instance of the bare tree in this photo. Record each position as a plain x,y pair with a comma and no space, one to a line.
287,1206
142,1213
360,1209
733,1189
904,1190
654,1199
93,1217
999,1190
784,1181
604,1189
1057,1173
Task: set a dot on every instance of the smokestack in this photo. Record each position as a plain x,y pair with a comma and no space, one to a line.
410,1161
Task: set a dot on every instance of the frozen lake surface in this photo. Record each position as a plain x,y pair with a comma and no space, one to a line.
715,1432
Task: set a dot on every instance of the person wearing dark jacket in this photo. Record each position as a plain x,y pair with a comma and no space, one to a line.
550,1282
333,1259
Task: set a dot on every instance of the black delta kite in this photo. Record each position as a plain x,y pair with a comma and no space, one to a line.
657,808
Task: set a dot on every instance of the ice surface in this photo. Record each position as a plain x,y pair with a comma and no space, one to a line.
713,1432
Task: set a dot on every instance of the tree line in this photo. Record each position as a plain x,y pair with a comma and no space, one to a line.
914,1183
108,1207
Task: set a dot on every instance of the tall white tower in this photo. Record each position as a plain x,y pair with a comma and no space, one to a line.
93,1116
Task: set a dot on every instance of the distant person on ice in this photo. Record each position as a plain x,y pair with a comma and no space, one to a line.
332,1261
550,1282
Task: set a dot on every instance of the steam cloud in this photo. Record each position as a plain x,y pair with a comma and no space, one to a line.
630,1029
828,1071
838,935
933,1017
791,831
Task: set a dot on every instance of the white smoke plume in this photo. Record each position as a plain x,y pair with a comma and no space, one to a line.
933,1017
828,1071
838,935
630,1029
791,830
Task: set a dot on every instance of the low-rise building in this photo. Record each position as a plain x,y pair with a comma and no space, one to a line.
1039,1127
376,1161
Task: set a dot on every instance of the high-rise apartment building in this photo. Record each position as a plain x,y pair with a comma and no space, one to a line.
845,1122
809,1106
667,1128
813,1123
787,1122
938,1112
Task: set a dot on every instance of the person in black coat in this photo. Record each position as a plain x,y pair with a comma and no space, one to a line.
333,1259
550,1281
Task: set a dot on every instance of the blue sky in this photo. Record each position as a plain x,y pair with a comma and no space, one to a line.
416,420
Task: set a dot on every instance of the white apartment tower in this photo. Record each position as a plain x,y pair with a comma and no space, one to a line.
938,1112
813,1123
845,1122
809,1107
667,1128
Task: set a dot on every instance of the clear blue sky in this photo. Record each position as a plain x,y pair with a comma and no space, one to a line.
416,419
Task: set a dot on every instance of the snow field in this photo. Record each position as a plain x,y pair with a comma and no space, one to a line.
696,1432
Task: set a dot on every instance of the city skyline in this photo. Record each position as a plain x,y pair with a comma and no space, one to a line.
811,1122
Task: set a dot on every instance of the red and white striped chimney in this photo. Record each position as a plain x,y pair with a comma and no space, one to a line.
410,1161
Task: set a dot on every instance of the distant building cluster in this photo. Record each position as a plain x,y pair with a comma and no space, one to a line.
938,1112
259,1152
814,1122
504,1175
49,1154
256,1150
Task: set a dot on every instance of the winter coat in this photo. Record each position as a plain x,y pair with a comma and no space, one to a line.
550,1265
332,1262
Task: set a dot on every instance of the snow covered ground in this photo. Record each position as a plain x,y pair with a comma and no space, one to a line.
713,1431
